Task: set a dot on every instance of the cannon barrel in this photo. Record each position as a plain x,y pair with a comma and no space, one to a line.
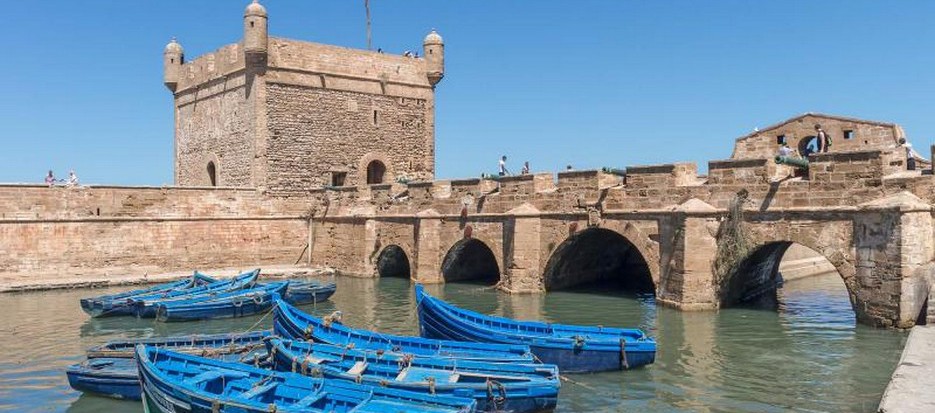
798,163
614,171
491,177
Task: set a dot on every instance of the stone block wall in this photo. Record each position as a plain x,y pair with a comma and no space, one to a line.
864,136
316,132
74,231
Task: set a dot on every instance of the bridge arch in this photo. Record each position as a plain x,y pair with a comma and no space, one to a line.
599,255
757,277
470,259
393,262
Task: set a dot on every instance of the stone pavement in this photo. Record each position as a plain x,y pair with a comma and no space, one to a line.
912,387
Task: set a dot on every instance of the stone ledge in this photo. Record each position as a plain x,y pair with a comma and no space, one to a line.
910,388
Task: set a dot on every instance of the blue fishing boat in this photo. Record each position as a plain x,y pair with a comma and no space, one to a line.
238,303
175,382
510,387
309,292
111,371
120,304
291,323
575,349
145,306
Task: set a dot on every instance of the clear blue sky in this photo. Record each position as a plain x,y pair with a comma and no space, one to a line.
587,83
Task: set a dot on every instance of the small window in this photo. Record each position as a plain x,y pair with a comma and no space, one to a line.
375,172
848,134
337,178
781,140
251,24
376,118
212,174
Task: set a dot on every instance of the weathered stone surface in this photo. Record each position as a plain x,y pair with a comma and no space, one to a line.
910,389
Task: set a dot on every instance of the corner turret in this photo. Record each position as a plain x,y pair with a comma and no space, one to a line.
434,52
255,33
172,59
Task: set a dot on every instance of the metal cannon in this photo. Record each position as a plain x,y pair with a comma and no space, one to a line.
798,163
614,171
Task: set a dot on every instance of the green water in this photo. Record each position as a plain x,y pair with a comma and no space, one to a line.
810,356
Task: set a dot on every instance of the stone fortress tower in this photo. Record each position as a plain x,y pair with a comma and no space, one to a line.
286,116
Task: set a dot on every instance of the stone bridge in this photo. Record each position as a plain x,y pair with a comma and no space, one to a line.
660,229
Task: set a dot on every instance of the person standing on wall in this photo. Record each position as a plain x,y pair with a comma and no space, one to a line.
503,170
824,140
50,179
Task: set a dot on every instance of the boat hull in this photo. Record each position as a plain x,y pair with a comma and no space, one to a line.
300,293
118,380
526,388
173,383
590,350
110,370
289,322
240,304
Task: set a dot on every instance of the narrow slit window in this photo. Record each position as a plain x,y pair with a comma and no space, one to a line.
376,118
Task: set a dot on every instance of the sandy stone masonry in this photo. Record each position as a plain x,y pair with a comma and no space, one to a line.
294,152
286,115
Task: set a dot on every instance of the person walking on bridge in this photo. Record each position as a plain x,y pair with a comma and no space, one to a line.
824,140
503,171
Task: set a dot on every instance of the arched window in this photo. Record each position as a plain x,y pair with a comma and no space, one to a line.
375,172
212,174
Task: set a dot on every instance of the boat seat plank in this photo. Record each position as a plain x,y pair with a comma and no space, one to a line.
206,376
256,391
419,375
357,368
309,400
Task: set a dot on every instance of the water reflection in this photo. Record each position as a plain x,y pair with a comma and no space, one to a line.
810,355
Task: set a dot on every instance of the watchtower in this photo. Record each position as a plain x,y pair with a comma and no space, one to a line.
286,115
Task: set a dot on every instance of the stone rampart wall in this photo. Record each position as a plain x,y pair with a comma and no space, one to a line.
74,231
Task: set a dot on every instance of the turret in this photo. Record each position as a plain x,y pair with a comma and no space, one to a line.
255,34
172,59
434,52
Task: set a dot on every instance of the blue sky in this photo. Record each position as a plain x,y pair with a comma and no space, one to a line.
587,83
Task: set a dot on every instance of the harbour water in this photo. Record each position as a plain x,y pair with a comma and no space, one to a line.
809,356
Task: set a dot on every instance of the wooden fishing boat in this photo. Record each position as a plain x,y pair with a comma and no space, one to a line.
309,292
291,323
174,382
145,306
111,371
233,304
575,349
191,344
498,387
120,303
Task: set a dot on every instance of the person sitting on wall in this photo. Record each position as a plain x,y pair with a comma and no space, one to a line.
50,179
785,151
824,140
525,170
72,180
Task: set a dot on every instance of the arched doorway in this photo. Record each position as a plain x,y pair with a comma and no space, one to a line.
375,172
393,262
808,145
598,256
470,260
212,174
778,273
